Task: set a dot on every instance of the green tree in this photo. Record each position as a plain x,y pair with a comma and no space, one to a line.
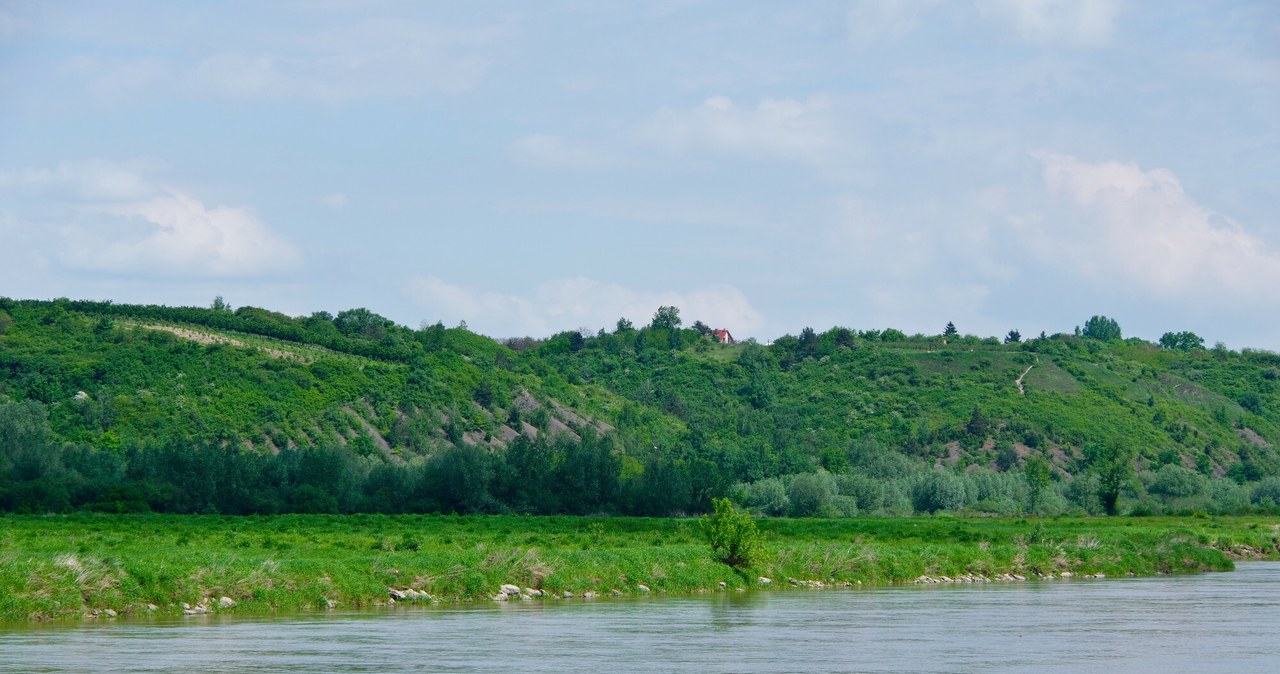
938,490
977,425
1013,337
810,494
808,347
666,318
362,322
624,325
1036,471
1102,328
1112,463
1251,401
1182,341
950,330
733,535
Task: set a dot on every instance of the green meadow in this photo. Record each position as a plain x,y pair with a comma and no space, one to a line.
76,566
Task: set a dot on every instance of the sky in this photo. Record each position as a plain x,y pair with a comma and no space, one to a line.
530,168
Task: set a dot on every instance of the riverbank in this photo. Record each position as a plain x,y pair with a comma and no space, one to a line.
78,566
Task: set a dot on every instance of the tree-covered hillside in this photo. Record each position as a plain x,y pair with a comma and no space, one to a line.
126,407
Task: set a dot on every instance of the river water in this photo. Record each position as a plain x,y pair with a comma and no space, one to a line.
1224,622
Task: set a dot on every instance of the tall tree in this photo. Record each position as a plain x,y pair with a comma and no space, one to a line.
666,318
1112,462
1182,341
950,330
1102,328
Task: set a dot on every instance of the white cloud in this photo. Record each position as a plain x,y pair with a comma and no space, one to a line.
784,129
110,216
566,304
1135,228
178,235
1071,22
335,201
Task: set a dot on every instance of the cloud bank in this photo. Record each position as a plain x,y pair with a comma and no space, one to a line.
106,216
1129,228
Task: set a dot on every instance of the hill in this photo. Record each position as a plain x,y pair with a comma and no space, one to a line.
129,407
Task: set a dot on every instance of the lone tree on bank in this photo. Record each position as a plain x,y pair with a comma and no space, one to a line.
950,330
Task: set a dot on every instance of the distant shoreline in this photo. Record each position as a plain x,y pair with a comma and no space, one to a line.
57,568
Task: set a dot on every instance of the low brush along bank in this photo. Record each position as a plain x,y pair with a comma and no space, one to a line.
77,566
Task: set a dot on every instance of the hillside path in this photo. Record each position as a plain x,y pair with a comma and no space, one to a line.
1018,381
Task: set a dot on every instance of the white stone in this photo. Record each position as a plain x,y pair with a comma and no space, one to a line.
764,581
226,602
643,588
511,589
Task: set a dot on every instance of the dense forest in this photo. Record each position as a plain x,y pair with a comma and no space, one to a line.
123,408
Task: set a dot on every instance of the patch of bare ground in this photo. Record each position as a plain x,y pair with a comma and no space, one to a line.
369,429
207,338
1251,436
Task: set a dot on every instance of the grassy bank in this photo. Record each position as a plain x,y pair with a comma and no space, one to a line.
68,567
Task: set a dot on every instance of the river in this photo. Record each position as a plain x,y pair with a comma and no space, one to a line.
1224,622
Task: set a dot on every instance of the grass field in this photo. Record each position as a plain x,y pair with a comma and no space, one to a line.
70,567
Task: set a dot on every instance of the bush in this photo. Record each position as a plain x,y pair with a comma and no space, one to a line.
768,497
810,494
938,490
1228,497
868,493
733,535
1266,493
1174,481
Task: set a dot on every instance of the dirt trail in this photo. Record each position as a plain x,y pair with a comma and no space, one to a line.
1018,381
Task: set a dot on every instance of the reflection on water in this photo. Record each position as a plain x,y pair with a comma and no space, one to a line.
1228,622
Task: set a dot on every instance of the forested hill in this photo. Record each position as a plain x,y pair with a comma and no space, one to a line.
127,407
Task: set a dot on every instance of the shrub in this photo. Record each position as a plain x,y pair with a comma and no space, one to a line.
767,497
1174,481
810,494
938,490
1267,492
733,535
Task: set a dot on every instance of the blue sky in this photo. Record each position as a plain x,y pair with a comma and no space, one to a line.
536,167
